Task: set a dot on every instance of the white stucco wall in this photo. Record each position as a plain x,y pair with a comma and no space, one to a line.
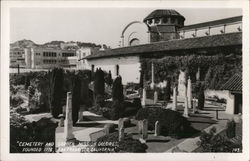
223,94
129,67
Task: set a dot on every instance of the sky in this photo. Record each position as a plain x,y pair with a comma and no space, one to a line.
95,25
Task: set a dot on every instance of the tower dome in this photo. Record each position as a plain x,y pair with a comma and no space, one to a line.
164,24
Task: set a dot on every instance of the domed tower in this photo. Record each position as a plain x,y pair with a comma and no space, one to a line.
164,25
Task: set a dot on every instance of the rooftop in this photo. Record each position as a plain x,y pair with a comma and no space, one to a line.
163,13
234,84
221,40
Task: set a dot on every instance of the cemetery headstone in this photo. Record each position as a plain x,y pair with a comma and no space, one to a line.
157,128
68,123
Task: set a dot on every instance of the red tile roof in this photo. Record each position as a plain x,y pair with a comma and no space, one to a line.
233,84
221,40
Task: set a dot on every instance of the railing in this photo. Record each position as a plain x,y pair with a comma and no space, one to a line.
233,24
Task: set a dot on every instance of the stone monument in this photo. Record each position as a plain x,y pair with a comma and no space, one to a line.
68,122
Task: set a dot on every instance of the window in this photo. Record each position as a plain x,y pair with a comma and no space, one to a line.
172,20
157,20
165,20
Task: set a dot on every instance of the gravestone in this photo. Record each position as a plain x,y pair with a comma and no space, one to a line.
68,122
144,129
157,128
185,113
139,126
195,104
174,99
121,134
182,84
106,129
155,97
80,113
189,93
143,102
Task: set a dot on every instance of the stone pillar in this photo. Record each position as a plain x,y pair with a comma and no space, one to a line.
174,99
81,110
157,128
189,93
182,84
121,134
185,113
195,104
152,85
155,97
124,90
144,129
120,123
198,74
143,102
68,122
139,126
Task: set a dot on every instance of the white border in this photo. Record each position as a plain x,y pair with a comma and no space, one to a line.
5,40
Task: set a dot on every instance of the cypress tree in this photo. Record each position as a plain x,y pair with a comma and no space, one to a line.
76,97
57,91
168,90
117,90
27,81
201,98
99,86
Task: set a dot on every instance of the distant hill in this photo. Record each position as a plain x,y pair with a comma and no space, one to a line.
23,44
53,44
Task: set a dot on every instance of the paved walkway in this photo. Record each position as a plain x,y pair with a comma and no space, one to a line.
92,124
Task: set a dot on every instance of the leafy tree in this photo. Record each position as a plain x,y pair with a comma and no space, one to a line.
27,82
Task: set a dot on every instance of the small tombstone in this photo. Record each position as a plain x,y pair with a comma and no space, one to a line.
106,129
185,113
157,128
155,97
139,124
120,123
144,129
195,104
80,113
121,134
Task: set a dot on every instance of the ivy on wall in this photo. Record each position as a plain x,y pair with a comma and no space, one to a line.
215,70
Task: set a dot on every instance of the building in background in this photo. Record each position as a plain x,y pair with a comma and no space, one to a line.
45,58
169,36
17,57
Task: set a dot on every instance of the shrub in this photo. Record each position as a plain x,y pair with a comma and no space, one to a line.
210,142
117,110
15,101
231,127
128,144
172,122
